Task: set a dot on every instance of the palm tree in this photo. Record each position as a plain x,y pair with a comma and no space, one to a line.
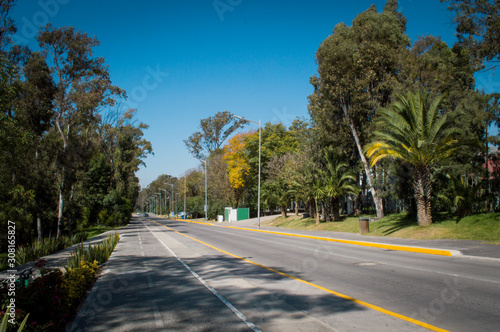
268,196
319,194
340,181
463,195
415,131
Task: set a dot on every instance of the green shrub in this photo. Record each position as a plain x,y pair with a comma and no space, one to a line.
103,217
77,281
99,252
46,247
52,299
46,302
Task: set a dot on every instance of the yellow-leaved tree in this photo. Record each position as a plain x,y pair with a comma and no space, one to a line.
237,164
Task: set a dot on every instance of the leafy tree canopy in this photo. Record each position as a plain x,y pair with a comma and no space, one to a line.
214,132
478,27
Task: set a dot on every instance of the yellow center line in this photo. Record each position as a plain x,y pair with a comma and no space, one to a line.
366,304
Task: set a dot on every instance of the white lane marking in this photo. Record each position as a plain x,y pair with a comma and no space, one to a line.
158,319
475,278
156,309
228,304
150,281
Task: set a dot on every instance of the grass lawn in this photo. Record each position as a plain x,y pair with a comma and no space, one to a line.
483,227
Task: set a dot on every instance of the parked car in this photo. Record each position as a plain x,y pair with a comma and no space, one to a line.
146,215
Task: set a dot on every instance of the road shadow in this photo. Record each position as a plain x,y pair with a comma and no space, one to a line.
138,292
395,224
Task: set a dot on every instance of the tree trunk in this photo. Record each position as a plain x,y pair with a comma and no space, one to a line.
63,175
60,213
311,207
358,204
39,226
296,207
335,208
317,212
369,176
423,190
283,210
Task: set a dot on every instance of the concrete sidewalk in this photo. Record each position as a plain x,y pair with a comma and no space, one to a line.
465,247
58,259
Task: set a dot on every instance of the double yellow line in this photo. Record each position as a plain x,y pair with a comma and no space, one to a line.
346,297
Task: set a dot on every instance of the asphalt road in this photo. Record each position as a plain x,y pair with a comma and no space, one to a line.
273,282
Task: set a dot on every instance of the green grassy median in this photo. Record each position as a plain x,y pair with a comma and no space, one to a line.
482,227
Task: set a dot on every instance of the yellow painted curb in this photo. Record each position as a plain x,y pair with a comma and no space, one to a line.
440,252
429,251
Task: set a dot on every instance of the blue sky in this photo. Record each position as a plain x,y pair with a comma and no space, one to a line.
184,60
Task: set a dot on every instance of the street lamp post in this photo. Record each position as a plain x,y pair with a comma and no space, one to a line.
258,190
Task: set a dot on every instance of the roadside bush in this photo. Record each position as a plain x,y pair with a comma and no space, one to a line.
46,302
215,208
103,217
77,281
46,247
98,253
52,299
